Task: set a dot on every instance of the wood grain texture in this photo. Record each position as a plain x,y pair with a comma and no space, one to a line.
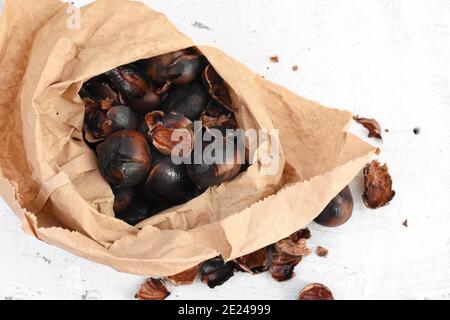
384,59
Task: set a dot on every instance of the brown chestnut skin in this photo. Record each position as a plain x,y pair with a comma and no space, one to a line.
119,118
129,80
167,181
138,211
123,199
189,100
100,92
338,211
124,158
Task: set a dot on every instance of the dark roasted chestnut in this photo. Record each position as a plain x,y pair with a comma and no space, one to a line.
124,158
138,211
190,100
215,272
167,181
93,120
129,80
209,172
338,211
157,67
123,199
119,118
186,69
101,93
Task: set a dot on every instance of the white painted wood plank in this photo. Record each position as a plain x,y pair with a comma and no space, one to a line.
382,59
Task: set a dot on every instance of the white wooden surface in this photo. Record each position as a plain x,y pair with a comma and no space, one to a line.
384,59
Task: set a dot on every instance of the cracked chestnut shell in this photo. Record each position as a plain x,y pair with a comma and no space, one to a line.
215,272
157,67
316,291
119,118
167,181
124,158
338,211
189,100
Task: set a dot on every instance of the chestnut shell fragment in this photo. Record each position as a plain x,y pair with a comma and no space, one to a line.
215,272
338,211
316,291
167,181
189,100
370,124
217,87
152,289
256,262
124,158
185,277
377,186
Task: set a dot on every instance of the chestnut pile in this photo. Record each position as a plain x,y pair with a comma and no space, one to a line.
131,113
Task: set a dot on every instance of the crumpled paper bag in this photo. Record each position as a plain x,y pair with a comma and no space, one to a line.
50,179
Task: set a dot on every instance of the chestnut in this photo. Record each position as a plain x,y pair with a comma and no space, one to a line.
316,291
124,158
119,118
129,80
186,69
123,199
215,272
338,211
167,181
157,67
93,120
209,173
138,211
190,100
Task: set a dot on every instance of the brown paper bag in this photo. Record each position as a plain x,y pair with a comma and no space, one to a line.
50,179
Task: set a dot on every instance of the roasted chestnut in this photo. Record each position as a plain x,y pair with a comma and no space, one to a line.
215,272
167,181
338,211
93,120
256,262
138,211
157,67
129,80
179,67
119,118
124,158
209,172
190,100
123,199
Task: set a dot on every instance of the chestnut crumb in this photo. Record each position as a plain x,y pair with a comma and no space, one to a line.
295,68
370,124
185,277
152,289
377,185
416,130
321,252
405,223
274,59
316,291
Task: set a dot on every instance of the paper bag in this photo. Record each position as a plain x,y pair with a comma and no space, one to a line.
50,178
